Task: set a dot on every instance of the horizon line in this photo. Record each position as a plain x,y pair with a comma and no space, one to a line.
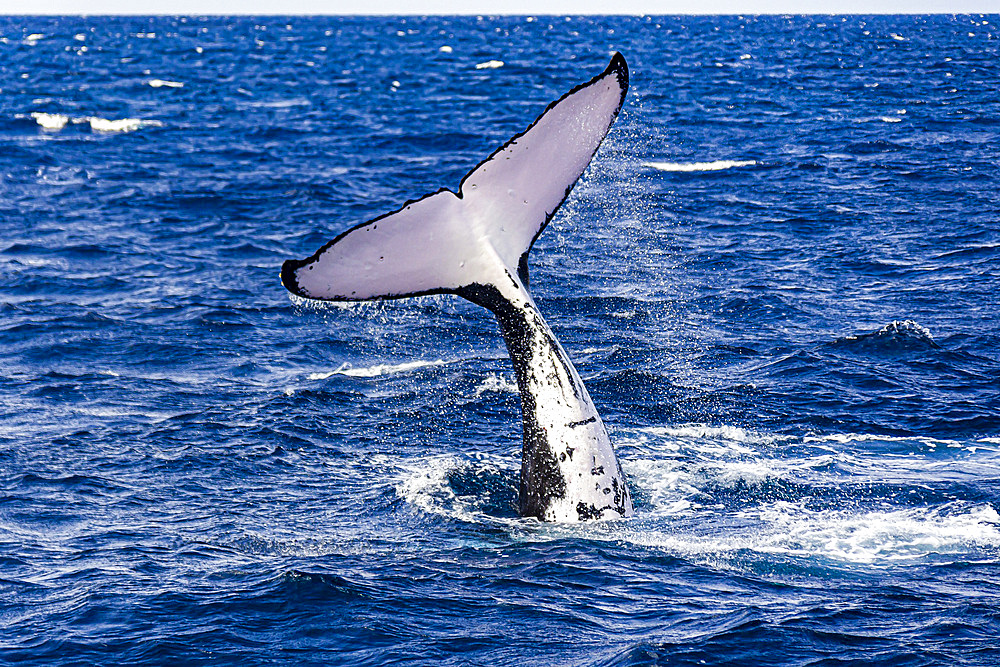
490,14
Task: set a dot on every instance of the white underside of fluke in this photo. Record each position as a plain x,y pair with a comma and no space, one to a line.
472,243
447,240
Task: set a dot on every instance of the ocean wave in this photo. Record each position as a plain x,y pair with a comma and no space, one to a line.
57,121
479,490
851,438
868,537
734,434
377,370
896,336
277,104
490,64
717,165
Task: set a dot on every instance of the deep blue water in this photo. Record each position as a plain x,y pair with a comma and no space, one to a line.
780,279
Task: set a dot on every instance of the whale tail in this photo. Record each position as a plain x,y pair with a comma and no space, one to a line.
456,243
475,243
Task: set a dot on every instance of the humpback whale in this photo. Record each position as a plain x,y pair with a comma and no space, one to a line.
475,243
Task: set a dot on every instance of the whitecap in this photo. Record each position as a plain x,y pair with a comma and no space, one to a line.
50,121
897,328
717,165
162,83
121,125
446,49
490,64
377,370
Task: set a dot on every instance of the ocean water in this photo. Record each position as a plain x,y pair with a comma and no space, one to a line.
780,280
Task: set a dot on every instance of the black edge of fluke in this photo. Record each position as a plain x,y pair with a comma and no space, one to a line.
288,279
619,67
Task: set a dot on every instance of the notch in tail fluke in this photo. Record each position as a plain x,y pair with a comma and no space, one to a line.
447,241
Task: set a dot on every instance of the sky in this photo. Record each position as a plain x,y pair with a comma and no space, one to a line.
492,7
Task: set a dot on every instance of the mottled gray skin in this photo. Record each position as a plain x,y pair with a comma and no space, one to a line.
569,471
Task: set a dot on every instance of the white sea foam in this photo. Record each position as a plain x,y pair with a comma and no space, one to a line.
679,516
490,64
121,125
869,537
377,370
445,49
734,434
495,383
717,165
850,438
50,121
162,83
790,529
426,487
425,484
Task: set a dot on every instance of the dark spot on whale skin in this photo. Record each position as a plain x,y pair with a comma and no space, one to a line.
587,512
582,422
569,453
599,470
621,494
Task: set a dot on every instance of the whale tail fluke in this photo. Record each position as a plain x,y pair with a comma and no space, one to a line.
450,242
475,243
